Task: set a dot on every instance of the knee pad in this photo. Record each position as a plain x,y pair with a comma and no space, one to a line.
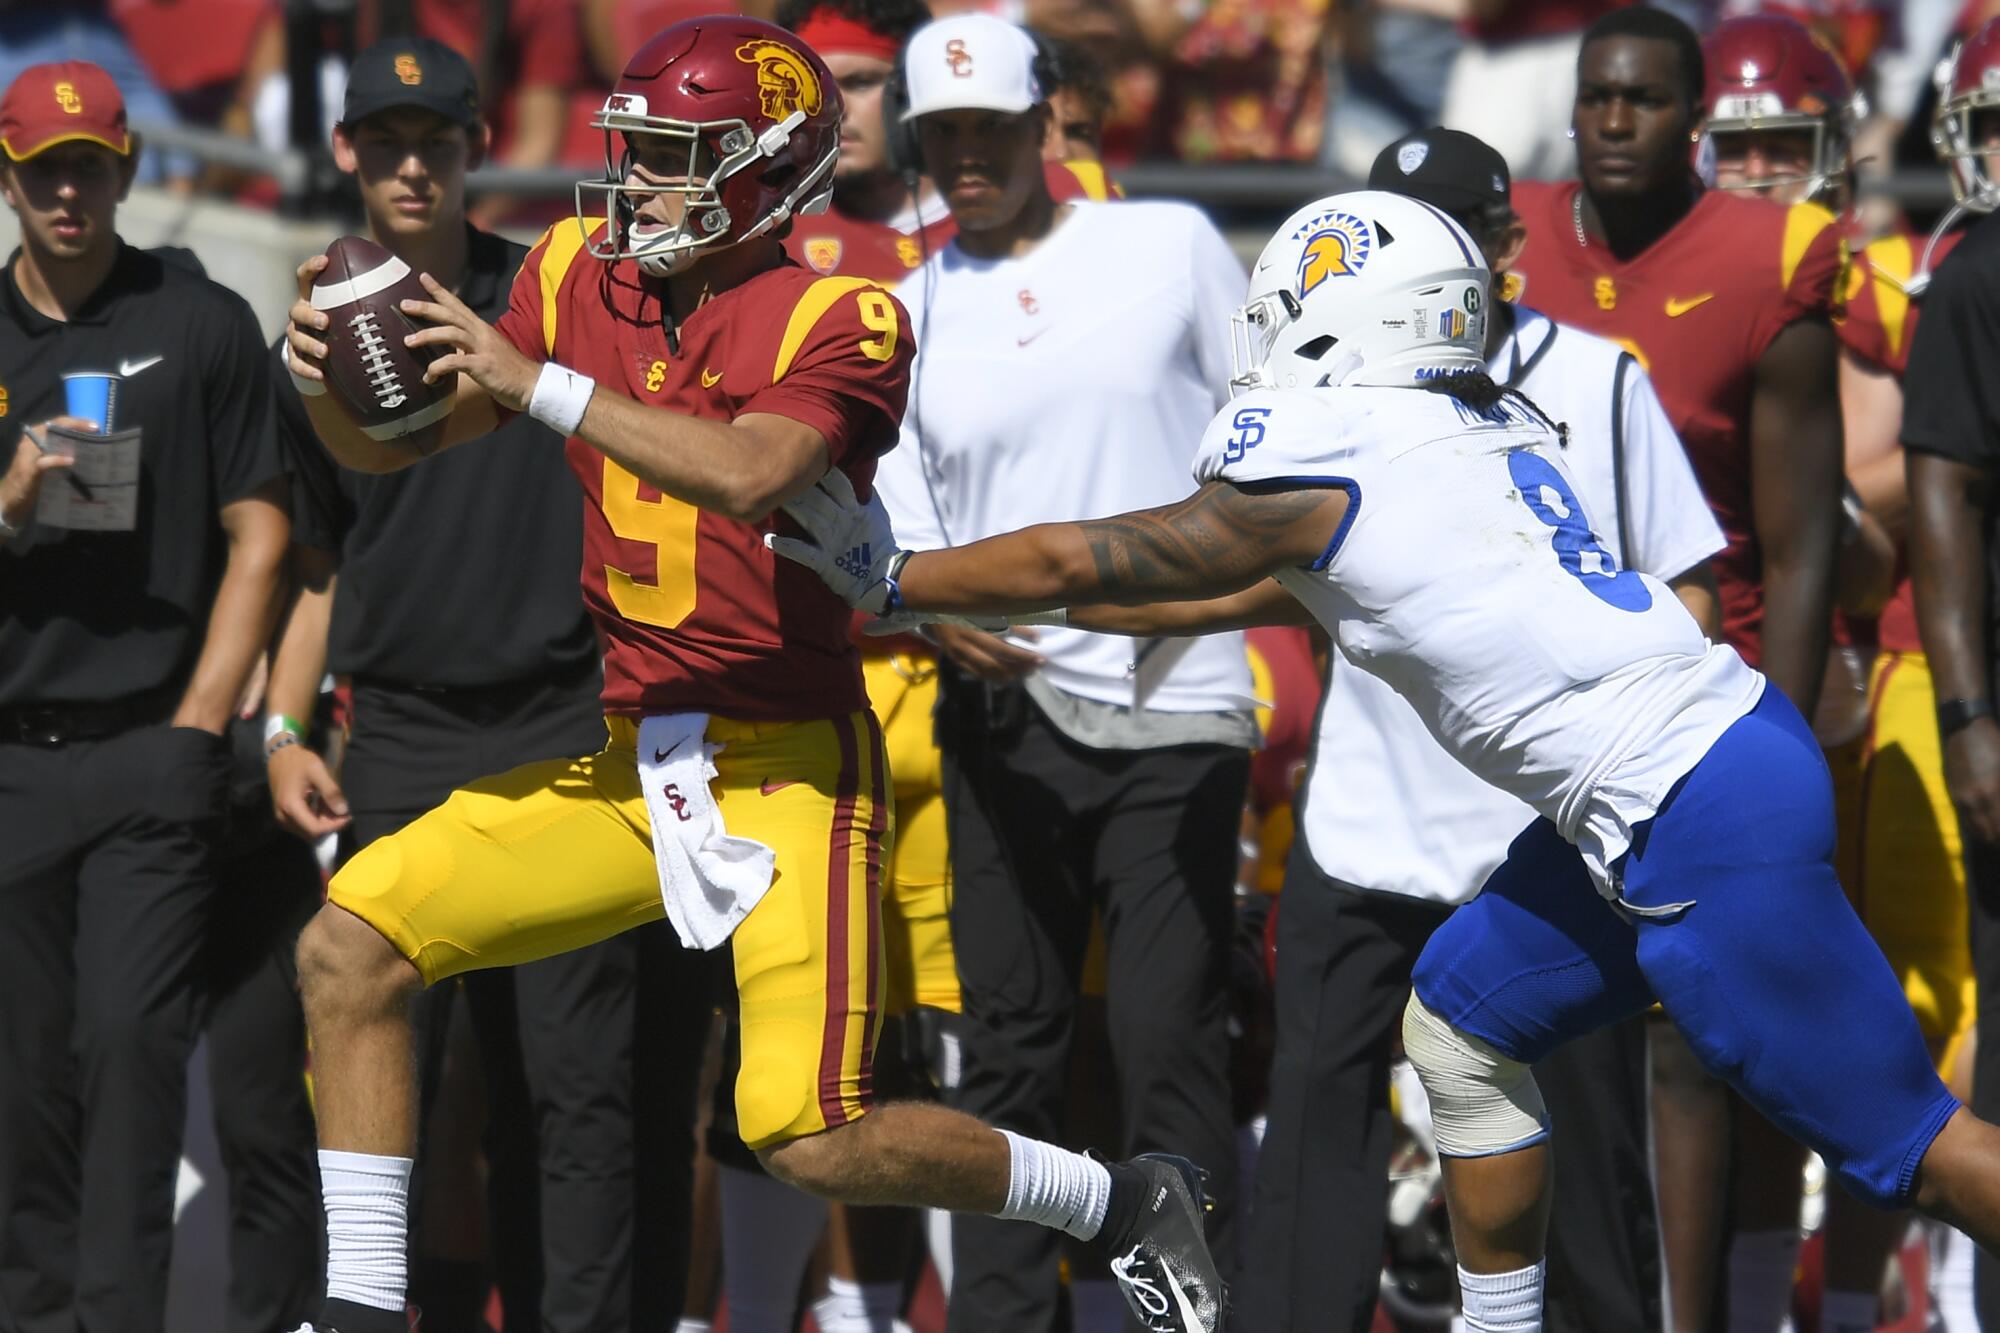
1482,1102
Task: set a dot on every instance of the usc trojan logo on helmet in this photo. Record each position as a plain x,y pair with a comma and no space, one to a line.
1337,245
408,70
785,82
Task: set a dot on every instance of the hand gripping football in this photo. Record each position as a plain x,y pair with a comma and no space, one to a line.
376,378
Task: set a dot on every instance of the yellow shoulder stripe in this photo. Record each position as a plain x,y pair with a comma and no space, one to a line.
1803,224
1090,175
819,299
1891,261
560,245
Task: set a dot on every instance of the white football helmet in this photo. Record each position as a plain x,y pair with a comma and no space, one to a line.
1362,288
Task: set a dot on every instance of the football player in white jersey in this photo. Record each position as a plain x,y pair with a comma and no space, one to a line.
1425,517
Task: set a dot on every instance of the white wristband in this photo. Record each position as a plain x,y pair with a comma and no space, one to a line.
307,388
560,397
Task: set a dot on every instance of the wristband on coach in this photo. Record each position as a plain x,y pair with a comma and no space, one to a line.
560,397
307,388
1955,715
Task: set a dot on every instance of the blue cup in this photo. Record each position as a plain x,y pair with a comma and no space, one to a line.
92,395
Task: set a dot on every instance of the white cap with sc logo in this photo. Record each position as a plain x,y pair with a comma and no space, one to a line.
970,61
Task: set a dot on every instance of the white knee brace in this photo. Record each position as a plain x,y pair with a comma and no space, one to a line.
1482,1103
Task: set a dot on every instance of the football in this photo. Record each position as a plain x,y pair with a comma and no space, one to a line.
378,379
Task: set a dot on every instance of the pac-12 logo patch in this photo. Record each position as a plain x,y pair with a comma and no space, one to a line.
823,252
785,81
1337,245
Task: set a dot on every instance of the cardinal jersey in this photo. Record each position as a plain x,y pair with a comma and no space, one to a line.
1876,326
1467,576
1697,308
836,242
695,615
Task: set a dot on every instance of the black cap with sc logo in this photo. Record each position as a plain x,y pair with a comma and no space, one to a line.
411,72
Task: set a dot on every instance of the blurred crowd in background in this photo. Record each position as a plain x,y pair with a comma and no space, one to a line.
1312,82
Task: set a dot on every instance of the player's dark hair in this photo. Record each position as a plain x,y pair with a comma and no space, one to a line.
1660,26
1065,66
1482,393
895,19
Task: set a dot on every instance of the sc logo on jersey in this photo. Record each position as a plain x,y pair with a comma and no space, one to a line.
1337,245
1250,425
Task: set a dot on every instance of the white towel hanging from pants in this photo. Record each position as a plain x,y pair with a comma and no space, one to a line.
709,880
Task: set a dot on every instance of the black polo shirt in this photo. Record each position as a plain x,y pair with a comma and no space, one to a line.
92,616
1951,394
461,571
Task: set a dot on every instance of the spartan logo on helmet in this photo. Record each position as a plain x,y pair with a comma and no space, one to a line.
785,82
1337,245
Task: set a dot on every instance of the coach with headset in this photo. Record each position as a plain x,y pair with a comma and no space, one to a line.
1070,355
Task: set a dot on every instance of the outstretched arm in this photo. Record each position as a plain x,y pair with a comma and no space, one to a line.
1218,541
1262,603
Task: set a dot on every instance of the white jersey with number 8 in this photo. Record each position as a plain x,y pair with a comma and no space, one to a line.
1467,576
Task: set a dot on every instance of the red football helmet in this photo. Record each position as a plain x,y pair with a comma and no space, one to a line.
1854,29
759,116
1969,83
1765,73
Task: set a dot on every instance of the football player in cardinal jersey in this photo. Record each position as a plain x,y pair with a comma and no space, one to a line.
875,226
1725,299
703,379
1781,112
1426,517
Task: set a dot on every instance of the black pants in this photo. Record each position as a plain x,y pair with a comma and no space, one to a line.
591,1057
1318,1226
268,886
106,885
1043,834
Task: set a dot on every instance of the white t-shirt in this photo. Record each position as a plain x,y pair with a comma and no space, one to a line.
1071,383
1466,577
1385,808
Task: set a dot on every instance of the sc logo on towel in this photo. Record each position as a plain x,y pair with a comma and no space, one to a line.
675,801
1249,424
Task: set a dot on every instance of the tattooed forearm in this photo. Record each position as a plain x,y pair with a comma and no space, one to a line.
1217,539
1215,542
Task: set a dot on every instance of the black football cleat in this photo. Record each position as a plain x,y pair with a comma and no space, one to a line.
1162,1262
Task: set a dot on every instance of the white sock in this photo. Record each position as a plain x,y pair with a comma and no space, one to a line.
768,1232
1055,1187
688,1324
1503,1302
1761,1268
1951,1278
937,1236
367,1200
1848,1311
1096,1305
858,1307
